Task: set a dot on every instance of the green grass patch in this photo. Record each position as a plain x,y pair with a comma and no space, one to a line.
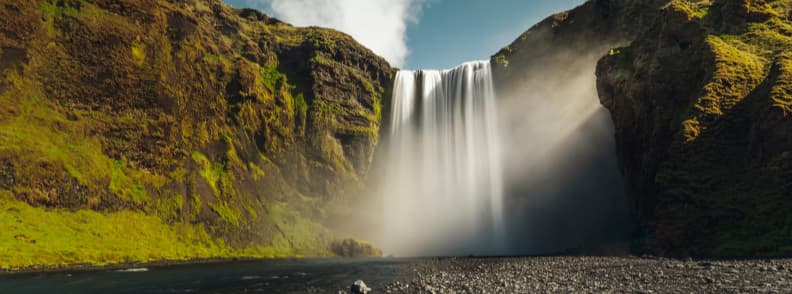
228,213
299,231
32,129
272,78
210,172
31,237
126,186
737,73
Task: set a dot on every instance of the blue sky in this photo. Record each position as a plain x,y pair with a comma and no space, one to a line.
419,34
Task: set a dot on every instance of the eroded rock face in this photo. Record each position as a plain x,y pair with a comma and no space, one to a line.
700,99
190,110
700,105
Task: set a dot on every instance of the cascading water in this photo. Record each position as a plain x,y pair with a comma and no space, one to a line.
443,191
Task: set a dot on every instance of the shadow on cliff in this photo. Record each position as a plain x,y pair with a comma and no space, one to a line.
563,187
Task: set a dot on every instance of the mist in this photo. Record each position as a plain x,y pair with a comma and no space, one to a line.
559,188
563,187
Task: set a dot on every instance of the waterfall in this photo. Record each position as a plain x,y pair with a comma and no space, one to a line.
443,191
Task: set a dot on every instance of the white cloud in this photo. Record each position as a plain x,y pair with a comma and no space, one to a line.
380,25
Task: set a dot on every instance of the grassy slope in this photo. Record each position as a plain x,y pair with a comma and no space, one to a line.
31,237
159,160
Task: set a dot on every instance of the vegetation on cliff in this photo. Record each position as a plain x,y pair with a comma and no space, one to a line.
148,130
700,104
699,92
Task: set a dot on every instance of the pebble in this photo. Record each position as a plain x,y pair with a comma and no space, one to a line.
595,275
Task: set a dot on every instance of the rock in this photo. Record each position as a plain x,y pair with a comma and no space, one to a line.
359,287
355,248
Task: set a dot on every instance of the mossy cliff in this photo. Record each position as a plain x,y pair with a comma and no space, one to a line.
147,130
700,101
699,93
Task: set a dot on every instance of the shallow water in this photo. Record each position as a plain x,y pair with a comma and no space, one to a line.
268,276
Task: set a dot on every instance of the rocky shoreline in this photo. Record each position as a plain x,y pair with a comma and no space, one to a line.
571,274
540,274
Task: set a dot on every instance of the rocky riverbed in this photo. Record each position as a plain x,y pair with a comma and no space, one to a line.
561,274
595,275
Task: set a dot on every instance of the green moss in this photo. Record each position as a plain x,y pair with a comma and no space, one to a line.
85,9
272,78
228,213
321,40
30,127
125,186
700,9
178,174
63,237
48,8
210,172
256,171
195,205
138,52
125,143
327,108
769,37
367,85
781,91
300,101
168,206
501,60
297,232
322,60
232,156
737,73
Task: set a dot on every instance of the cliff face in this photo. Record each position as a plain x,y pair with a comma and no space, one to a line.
699,94
190,128
583,33
700,102
562,177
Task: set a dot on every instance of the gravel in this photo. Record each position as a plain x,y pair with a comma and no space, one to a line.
573,274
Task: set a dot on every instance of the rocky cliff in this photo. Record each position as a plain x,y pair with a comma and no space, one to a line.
700,101
149,129
699,93
563,180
